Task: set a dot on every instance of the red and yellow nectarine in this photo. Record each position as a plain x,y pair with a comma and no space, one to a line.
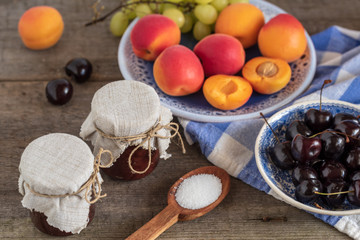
220,54
152,34
178,71
282,37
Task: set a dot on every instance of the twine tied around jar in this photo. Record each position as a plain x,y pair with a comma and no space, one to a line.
90,185
147,136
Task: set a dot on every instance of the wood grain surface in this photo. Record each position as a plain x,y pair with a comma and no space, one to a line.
25,114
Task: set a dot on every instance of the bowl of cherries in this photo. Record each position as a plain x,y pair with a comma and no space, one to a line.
309,154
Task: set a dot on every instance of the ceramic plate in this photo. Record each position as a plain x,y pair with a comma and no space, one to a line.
194,106
279,180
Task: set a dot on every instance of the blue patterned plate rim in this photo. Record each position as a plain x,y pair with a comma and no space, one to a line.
258,156
194,107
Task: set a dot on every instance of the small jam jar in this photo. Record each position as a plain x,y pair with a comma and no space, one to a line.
124,119
53,170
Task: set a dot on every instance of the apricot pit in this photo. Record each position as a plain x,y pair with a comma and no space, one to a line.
267,75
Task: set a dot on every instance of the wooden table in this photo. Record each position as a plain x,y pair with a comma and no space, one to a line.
26,115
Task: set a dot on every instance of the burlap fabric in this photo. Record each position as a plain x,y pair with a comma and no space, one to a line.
125,108
57,164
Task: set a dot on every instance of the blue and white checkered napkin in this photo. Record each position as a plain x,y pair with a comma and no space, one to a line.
338,59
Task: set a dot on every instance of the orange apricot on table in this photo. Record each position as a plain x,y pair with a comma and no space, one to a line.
241,20
40,27
282,37
227,92
267,75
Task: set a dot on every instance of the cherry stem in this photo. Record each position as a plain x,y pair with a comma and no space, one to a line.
341,133
325,82
334,193
187,5
272,130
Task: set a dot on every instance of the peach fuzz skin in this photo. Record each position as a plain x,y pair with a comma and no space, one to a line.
282,37
152,34
40,27
220,54
241,20
227,92
178,72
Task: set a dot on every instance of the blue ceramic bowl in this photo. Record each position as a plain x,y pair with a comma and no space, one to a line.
280,180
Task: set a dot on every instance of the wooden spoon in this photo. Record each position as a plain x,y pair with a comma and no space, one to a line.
173,212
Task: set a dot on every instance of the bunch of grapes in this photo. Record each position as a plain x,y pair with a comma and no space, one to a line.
198,16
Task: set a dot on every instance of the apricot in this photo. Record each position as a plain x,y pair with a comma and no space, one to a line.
227,92
152,34
267,75
282,37
241,20
178,71
40,27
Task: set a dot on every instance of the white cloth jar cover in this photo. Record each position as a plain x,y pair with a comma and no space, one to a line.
125,108
57,164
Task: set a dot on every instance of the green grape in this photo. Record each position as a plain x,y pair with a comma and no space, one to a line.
201,30
206,14
203,1
142,10
118,23
238,1
188,24
176,15
220,4
166,6
174,1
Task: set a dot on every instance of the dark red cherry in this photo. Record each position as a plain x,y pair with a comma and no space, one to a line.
79,69
305,191
304,149
302,172
318,120
281,156
333,145
59,91
354,176
352,159
344,116
297,127
351,129
335,200
332,171
354,194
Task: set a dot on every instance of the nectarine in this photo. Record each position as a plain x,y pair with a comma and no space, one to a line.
152,34
178,72
282,37
220,54
40,27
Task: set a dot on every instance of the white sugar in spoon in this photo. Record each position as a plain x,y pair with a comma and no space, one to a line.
173,212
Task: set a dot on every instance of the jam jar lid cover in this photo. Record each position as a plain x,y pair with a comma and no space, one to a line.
57,164
125,108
